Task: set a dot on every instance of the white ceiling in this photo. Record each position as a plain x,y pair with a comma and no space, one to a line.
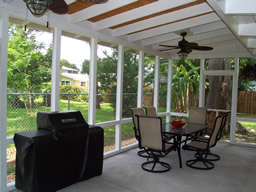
229,26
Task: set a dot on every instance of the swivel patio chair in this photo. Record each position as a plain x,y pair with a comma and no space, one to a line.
202,147
152,141
151,111
212,156
197,115
138,111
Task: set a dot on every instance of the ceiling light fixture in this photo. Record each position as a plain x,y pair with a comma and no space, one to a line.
183,53
38,7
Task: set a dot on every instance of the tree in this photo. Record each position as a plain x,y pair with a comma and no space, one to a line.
185,84
107,77
27,65
66,63
220,90
247,73
85,67
85,70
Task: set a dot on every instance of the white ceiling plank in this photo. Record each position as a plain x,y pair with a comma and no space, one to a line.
240,7
208,27
220,46
227,50
220,39
98,10
160,5
251,43
158,39
197,38
247,29
163,19
174,27
213,42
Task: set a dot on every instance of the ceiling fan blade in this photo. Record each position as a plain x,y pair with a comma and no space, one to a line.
165,49
59,7
202,48
192,45
170,46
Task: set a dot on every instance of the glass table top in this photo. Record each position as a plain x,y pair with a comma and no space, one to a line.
187,129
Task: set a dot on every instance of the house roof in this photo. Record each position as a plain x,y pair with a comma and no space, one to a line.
81,77
69,69
229,26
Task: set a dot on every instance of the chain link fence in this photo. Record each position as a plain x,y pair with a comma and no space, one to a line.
22,108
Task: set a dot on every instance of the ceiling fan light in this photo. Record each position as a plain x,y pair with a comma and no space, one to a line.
38,7
182,55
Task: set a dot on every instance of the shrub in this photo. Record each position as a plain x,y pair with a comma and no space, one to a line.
73,93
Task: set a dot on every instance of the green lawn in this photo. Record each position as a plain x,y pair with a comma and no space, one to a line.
20,119
246,115
250,137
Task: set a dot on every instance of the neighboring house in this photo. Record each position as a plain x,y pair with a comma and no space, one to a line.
71,77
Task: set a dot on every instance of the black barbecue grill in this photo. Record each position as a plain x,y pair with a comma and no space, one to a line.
64,150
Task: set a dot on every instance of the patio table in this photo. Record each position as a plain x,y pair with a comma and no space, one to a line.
187,130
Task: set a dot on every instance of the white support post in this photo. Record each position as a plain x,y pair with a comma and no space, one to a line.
119,96
4,21
156,82
169,91
140,80
234,102
92,81
55,89
202,84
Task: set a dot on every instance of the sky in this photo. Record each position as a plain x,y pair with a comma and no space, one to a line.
73,50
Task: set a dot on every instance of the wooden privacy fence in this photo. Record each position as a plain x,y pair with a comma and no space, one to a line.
147,100
246,102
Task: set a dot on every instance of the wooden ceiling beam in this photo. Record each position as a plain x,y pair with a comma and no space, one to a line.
102,11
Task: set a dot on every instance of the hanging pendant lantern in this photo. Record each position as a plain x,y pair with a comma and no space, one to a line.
38,7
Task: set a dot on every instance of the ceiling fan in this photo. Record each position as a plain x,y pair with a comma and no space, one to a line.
39,7
185,47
